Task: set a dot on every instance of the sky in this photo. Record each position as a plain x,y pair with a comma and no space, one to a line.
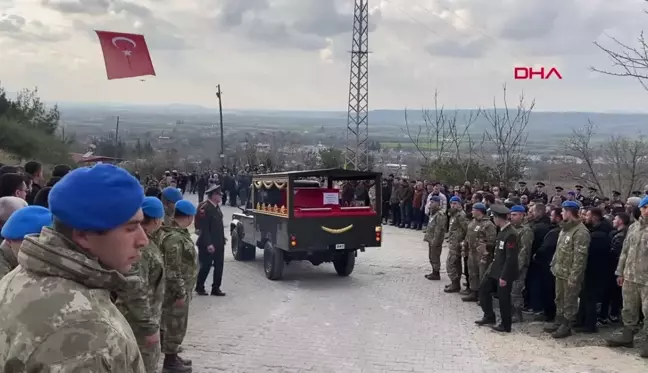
294,54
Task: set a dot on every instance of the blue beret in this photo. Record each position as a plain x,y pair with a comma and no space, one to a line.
479,206
186,207
153,208
644,202
455,199
570,204
27,220
518,208
97,198
172,194
435,198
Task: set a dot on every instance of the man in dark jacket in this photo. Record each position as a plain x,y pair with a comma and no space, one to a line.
501,274
541,260
612,301
598,259
386,196
541,225
211,241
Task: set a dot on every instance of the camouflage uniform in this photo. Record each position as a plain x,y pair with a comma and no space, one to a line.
8,260
141,303
568,266
633,266
168,217
480,241
456,235
434,235
56,314
525,241
181,268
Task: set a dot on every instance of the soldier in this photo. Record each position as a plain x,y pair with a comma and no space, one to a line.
180,268
559,193
616,196
539,193
141,303
524,245
632,273
211,242
568,266
502,273
170,196
56,314
434,235
27,220
456,235
480,239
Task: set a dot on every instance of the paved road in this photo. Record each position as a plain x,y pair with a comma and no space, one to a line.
386,317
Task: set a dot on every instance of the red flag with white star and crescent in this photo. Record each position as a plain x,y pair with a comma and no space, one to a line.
125,55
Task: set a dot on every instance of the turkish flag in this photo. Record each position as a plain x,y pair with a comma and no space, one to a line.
125,55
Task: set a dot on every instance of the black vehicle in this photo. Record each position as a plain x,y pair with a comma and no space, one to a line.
300,215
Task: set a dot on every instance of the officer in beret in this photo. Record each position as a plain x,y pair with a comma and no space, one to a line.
501,274
141,303
180,266
61,289
211,241
27,220
170,196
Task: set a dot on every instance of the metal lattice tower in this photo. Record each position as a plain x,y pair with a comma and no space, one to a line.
356,155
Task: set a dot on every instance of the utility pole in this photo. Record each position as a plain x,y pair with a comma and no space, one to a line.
222,136
356,156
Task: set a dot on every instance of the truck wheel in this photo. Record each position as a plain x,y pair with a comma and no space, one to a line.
273,262
344,263
240,250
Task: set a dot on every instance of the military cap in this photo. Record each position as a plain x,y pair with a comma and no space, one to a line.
578,186
592,189
636,193
479,206
570,204
518,208
644,202
97,198
27,220
559,189
435,198
214,189
186,207
522,183
540,184
499,209
172,194
455,199
616,193
153,208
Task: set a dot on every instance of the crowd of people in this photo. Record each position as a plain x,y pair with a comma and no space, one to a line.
572,260
97,271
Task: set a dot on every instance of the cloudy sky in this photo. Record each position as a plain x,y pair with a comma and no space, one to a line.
293,54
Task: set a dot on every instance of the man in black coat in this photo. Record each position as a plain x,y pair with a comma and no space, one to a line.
541,225
211,241
542,262
501,273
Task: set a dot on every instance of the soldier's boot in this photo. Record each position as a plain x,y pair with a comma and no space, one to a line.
487,320
184,361
563,331
454,287
465,291
174,365
517,315
625,339
472,297
553,327
434,276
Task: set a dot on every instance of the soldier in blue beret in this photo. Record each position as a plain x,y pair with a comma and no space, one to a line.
181,272
170,196
27,220
66,276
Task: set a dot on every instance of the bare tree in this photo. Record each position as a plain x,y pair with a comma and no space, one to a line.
430,138
626,161
585,156
504,141
627,61
463,143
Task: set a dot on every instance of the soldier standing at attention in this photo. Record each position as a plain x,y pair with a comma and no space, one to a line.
568,266
434,235
632,273
27,220
502,273
181,269
525,243
56,314
211,242
456,235
141,302
170,196
480,239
